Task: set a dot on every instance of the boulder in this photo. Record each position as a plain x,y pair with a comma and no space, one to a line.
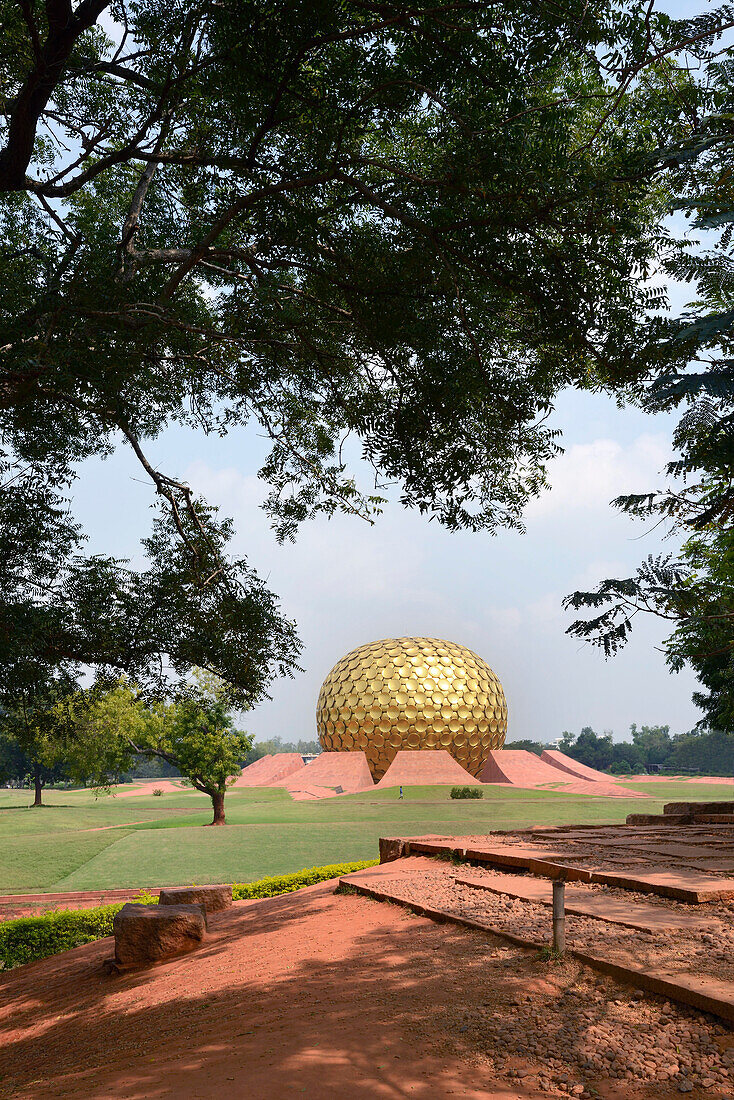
213,898
393,847
146,934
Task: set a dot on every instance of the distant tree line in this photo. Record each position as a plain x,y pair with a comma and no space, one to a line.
651,748
276,745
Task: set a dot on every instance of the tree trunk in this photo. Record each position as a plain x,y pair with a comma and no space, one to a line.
218,804
38,788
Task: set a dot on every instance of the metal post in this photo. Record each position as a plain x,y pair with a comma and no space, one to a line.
559,916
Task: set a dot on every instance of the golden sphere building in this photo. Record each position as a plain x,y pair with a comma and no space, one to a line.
412,693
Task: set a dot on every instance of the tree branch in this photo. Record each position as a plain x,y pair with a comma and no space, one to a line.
65,29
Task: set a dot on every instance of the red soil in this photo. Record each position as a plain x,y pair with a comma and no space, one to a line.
572,767
306,793
415,767
520,768
165,785
348,770
263,772
309,994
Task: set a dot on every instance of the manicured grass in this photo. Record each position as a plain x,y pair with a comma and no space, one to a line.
79,843
31,863
686,790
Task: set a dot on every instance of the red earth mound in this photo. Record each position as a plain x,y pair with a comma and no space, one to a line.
572,767
520,768
425,767
265,771
348,770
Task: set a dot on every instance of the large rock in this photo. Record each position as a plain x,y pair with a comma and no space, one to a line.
659,819
213,898
393,847
146,934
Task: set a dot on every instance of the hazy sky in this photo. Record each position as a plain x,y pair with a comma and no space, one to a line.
346,583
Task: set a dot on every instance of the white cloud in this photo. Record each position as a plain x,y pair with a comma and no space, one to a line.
589,475
346,583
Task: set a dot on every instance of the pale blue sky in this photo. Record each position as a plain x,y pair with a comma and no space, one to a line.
346,583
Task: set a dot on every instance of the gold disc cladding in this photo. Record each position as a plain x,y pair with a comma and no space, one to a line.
412,693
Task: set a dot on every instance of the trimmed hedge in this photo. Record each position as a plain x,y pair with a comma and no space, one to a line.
27,939
467,792
285,884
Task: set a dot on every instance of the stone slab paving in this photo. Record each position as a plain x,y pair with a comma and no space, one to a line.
680,883
682,955
599,905
714,864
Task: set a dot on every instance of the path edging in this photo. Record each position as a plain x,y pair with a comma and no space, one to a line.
648,981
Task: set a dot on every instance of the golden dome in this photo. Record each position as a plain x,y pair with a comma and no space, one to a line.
412,693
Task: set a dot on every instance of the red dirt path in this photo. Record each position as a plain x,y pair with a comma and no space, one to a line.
309,994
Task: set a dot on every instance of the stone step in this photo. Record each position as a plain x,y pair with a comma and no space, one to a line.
698,808
533,859
583,903
679,883
659,819
706,994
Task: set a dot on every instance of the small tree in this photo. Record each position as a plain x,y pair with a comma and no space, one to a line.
621,767
19,768
30,725
198,737
195,734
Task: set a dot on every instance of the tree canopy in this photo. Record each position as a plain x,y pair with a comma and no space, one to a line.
653,748
31,727
410,224
692,588
106,730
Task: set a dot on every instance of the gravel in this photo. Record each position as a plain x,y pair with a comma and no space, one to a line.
586,1029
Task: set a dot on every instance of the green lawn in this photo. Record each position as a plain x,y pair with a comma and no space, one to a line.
78,842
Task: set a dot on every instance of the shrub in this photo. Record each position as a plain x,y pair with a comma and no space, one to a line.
157,791
285,884
27,939
467,792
